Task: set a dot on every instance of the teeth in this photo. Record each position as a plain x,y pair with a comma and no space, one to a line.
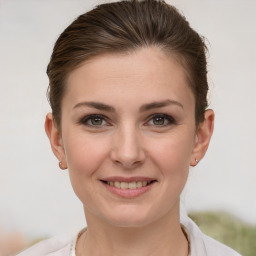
117,184
128,185
124,185
132,185
139,184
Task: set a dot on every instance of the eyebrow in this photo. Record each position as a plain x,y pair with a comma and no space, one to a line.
160,104
96,105
143,108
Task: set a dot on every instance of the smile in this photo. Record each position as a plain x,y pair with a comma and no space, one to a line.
128,185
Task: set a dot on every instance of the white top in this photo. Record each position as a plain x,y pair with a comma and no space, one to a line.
200,244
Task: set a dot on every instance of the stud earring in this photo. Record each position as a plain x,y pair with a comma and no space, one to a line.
61,166
197,161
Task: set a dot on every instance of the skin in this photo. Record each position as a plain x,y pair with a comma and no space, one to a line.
129,142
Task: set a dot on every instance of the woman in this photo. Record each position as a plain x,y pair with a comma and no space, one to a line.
128,91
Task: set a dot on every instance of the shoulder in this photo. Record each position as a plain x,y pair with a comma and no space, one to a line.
56,246
202,244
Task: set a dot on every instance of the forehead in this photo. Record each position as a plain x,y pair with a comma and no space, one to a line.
148,72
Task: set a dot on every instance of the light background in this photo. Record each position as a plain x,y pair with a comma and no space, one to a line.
36,198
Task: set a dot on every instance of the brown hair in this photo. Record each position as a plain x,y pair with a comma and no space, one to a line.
122,27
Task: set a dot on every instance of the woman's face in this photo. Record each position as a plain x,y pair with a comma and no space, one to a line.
128,136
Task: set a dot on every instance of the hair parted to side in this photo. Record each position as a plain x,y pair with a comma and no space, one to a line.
126,26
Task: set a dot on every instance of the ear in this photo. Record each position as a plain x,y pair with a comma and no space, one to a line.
203,137
55,139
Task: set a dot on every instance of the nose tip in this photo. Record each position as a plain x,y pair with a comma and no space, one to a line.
127,150
128,161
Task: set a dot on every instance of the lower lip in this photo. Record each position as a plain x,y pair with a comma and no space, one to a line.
128,193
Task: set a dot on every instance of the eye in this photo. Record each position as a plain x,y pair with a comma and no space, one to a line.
161,120
94,120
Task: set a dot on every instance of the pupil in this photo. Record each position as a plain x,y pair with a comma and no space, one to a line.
97,121
158,121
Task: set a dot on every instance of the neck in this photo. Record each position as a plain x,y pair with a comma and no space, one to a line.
163,237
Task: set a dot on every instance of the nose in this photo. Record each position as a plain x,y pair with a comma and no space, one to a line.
127,149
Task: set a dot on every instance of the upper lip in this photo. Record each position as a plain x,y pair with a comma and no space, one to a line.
128,179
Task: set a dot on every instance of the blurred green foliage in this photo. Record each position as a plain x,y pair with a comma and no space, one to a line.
227,229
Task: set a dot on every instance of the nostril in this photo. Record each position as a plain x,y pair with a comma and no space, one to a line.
128,164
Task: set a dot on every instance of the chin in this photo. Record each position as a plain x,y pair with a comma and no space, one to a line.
130,217
129,222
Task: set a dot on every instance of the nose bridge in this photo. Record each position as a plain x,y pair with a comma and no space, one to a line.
127,149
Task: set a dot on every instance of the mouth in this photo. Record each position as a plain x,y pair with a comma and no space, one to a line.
128,185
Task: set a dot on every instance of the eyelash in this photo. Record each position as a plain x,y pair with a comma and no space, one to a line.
86,119
170,120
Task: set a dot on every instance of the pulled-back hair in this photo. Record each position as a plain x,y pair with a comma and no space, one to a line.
126,26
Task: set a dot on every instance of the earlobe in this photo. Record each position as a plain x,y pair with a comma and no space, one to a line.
203,137
55,139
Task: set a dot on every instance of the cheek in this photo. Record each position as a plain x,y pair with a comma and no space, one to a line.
85,154
173,162
172,154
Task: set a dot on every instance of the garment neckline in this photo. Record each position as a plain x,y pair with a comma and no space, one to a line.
74,241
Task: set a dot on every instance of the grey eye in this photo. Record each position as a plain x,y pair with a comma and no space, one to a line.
95,121
159,120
